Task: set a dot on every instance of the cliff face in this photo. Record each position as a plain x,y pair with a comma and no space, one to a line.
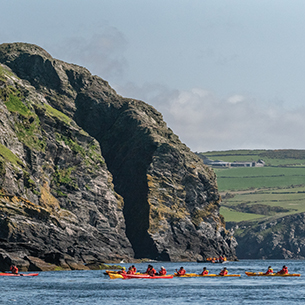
54,117
281,238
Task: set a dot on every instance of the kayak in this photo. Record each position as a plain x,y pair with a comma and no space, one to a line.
114,276
146,276
19,274
208,275
271,274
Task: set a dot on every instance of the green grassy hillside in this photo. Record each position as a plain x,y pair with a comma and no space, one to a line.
276,190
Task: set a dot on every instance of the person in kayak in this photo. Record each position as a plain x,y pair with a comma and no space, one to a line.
134,269
148,269
269,271
122,271
162,271
152,271
181,271
204,271
224,271
14,269
283,271
130,270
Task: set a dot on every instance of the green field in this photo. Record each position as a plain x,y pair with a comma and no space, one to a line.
234,179
250,193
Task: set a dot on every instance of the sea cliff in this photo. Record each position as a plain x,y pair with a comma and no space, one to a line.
88,176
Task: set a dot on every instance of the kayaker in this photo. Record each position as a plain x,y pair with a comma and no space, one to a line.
130,270
181,271
14,269
148,269
152,271
134,269
284,270
162,271
122,271
204,271
224,271
269,271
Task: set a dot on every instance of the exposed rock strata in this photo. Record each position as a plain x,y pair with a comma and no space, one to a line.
281,238
171,201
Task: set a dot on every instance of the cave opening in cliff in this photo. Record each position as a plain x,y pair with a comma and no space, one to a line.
127,150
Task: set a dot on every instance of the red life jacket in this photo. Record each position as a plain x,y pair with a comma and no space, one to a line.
205,272
152,272
223,272
14,269
285,270
134,269
181,272
162,272
269,271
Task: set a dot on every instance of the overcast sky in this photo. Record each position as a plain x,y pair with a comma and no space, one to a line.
225,74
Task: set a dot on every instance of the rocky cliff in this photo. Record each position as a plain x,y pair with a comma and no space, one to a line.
63,131
278,238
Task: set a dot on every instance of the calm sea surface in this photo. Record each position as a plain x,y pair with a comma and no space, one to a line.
93,287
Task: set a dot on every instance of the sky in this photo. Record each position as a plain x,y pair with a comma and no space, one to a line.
225,74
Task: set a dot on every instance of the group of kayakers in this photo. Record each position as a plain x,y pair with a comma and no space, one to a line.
220,259
152,271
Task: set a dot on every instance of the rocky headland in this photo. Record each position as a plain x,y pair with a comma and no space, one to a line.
278,238
88,176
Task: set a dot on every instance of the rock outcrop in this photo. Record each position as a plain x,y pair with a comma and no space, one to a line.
58,201
280,238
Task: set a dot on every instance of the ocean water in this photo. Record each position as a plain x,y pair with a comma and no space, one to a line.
94,287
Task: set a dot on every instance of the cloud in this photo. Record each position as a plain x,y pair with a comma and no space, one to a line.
102,53
237,98
204,121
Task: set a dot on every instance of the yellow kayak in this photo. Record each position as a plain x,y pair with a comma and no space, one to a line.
271,274
208,275
114,276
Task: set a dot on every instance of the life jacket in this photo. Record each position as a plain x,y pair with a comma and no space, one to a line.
162,272
14,269
130,271
205,272
181,272
134,269
122,272
152,272
223,272
269,271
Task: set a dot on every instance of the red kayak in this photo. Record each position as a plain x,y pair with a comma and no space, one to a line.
19,274
146,276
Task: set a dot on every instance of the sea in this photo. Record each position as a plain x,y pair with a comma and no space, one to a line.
95,287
